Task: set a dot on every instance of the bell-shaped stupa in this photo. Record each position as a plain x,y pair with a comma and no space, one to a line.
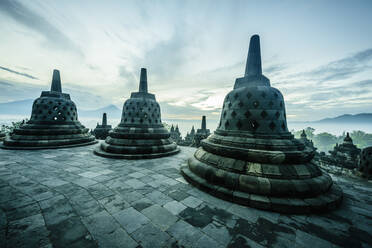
53,123
2,135
140,133
252,158
102,131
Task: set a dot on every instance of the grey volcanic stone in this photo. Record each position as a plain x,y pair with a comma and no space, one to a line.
140,133
53,123
38,214
102,131
252,159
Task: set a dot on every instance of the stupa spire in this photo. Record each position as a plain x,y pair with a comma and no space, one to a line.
253,66
104,119
204,123
143,81
56,82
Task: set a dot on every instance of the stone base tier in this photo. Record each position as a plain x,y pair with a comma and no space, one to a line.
100,152
323,202
37,136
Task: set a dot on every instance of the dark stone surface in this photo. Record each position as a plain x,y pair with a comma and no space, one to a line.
83,210
365,162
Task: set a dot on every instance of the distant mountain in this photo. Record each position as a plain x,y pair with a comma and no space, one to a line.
347,118
24,107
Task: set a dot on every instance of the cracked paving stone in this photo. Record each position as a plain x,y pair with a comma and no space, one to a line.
131,219
174,207
150,236
191,202
160,216
114,203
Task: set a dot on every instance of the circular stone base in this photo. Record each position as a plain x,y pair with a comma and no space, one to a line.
320,203
46,147
98,151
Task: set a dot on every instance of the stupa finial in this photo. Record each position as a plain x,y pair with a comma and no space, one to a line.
143,81
56,82
253,66
104,119
204,123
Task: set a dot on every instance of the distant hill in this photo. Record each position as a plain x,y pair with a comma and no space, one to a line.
347,118
24,107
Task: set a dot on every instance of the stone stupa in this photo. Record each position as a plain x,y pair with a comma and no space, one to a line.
102,131
202,132
53,123
140,133
2,135
252,159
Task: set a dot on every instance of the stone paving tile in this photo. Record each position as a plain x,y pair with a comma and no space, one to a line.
142,203
186,234
104,228
158,197
114,203
174,207
191,202
207,242
160,216
158,208
89,174
131,219
135,183
218,232
150,236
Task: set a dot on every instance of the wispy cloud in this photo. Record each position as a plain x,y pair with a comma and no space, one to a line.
32,20
341,69
18,73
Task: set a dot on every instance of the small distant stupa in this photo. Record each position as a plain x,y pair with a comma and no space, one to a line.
252,158
201,133
102,131
140,133
53,123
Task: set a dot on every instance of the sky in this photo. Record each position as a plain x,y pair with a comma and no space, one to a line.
317,53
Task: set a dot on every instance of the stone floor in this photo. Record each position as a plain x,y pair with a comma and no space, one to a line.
72,198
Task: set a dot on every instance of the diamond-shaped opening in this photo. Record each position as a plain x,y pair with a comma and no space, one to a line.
256,104
249,94
277,114
264,114
247,114
254,124
233,114
263,94
227,123
281,104
230,104
276,95
240,104
239,124
271,103
224,113
236,95
283,126
272,126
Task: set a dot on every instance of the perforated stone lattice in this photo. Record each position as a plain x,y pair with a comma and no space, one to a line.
255,109
365,162
54,109
141,111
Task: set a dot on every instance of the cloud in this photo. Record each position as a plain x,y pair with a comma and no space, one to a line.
18,73
33,21
340,69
